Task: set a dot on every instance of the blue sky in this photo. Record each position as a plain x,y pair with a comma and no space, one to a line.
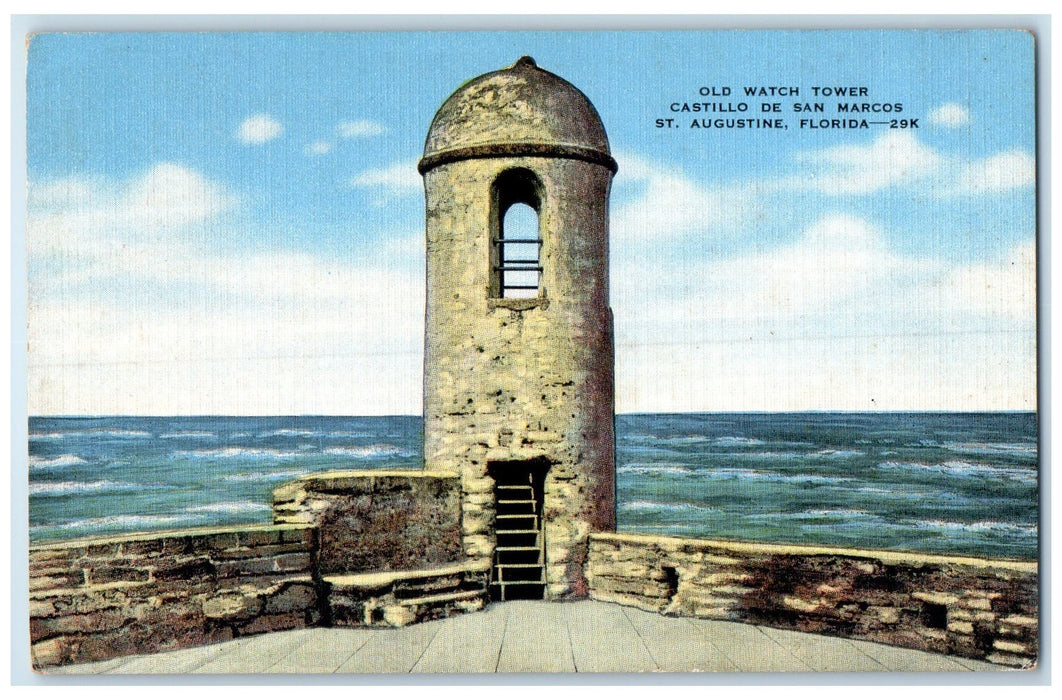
233,223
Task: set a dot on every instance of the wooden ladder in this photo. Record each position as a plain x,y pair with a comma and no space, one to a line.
519,556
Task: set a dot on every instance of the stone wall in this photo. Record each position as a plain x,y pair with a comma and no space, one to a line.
98,598
381,520
976,608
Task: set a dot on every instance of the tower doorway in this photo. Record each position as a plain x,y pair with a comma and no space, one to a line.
519,567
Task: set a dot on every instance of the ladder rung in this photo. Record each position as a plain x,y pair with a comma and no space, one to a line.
516,515
518,566
517,549
515,532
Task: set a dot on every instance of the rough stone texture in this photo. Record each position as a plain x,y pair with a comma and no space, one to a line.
511,380
519,104
134,594
976,608
395,599
380,520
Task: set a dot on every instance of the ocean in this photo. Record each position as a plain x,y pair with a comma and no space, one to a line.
958,483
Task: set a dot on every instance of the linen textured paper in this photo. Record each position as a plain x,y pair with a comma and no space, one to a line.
389,352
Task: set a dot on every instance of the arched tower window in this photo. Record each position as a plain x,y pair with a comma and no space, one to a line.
516,247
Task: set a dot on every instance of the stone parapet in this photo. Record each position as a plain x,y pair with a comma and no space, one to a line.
398,598
966,606
93,599
377,520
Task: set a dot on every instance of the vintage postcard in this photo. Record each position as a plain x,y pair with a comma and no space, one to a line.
532,352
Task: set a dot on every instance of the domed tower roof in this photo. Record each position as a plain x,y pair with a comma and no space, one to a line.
517,111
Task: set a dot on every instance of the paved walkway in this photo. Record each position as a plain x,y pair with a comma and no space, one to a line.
538,637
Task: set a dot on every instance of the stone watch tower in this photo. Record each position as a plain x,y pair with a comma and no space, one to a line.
518,387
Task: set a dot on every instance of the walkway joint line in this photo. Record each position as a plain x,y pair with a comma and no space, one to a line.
640,638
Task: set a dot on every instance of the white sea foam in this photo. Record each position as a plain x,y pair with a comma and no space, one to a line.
64,488
836,514
735,441
675,469
231,507
368,451
993,448
839,454
237,453
665,507
47,436
125,523
958,468
754,475
266,476
984,526
190,434
55,462
96,433
759,455
288,432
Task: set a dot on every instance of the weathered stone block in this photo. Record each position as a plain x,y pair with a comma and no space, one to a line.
961,627
232,605
292,597
273,623
50,652
936,598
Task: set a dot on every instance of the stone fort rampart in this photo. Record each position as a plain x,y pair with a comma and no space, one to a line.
401,562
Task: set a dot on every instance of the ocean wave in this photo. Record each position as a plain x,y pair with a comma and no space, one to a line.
759,455
192,434
55,462
97,433
736,441
838,454
368,452
230,507
846,514
902,493
65,488
266,476
290,432
665,507
984,526
47,436
238,453
992,448
674,469
124,523
728,473
962,469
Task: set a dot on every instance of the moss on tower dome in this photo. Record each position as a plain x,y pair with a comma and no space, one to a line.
521,109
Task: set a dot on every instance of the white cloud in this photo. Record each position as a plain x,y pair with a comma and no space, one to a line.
668,204
951,115
318,148
900,159
140,310
397,179
259,128
894,158
88,217
998,173
360,128
1004,288
832,321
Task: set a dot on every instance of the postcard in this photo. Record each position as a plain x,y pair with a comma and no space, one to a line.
532,352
